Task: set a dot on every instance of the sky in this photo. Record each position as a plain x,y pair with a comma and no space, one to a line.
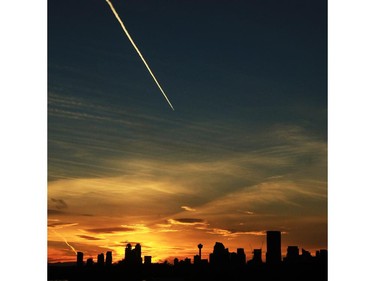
244,151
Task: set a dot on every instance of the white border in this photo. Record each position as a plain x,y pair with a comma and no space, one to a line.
23,148
351,139
23,119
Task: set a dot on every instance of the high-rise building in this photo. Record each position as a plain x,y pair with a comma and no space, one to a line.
79,259
273,254
257,256
322,256
108,258
220,255
241,256
133,256
128,252
233,259
292,254
197,259
148,259
100,259
306,256
138,254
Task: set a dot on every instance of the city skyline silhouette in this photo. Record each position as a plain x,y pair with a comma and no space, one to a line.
272,254
272,241
221,265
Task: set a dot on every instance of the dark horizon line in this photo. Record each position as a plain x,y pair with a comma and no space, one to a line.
282,257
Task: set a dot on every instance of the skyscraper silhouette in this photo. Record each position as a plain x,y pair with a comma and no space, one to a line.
79,259
197,259
220,255
223,265
100,259
241,256
257,256
148,259
306,255
292,254
108,258
128,252
322,254
138,254
273,255
133,256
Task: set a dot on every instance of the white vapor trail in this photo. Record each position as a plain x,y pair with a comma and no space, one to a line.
139,53
66,242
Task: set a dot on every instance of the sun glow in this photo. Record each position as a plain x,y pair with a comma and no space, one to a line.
157,204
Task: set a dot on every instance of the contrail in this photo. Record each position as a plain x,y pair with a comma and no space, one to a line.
66,242
139,53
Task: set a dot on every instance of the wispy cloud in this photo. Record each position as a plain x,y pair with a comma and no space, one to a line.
231,233
87,237
58,203
109,229
58,248
187,208
55,212
186,221
61,224
234,194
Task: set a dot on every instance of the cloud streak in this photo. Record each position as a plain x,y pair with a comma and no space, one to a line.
59,203
66,242
186,221
229,233
231,196
61,224
139,52
109,229
187,208
87,237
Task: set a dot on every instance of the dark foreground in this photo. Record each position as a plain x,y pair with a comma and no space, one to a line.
314,271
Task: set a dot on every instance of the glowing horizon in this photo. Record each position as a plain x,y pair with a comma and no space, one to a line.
162,249
135,211
165,252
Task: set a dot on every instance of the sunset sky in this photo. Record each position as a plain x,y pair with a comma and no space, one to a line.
245,150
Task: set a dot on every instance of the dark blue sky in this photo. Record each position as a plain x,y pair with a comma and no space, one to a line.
248,64
224,57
